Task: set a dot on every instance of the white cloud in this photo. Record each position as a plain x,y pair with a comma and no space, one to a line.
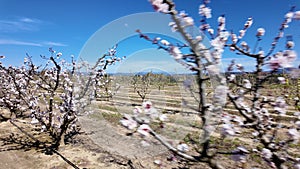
22,24
30,20
28,43
54,44
16,42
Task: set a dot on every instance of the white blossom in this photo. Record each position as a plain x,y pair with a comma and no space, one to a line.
165,42
221,19
163,117
248,23
210,31
234,38
204,11
157,162
294,134
297,124
34,121
297,15
260,32
290,44
266,153
242,34
188,21
289,15
247,84
297,166
231,77
175,52
290,55
281,79
239,154
227,130
183,147
59,54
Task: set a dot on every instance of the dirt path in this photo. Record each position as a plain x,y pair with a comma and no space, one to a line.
114,141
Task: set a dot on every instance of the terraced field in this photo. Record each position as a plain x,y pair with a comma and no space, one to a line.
183,121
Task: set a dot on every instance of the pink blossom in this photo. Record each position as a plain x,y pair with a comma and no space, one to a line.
144,130
159,6
128,122
137,110
147,105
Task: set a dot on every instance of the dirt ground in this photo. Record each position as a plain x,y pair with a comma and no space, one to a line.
100,146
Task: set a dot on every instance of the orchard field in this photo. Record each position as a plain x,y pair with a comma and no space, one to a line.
72,113
104,143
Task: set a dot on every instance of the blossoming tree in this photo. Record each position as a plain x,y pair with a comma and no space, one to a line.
252,107
51,97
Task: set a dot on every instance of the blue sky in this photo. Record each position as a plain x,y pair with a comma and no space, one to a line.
69,25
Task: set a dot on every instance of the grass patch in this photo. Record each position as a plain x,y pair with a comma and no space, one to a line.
112,118
106,107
